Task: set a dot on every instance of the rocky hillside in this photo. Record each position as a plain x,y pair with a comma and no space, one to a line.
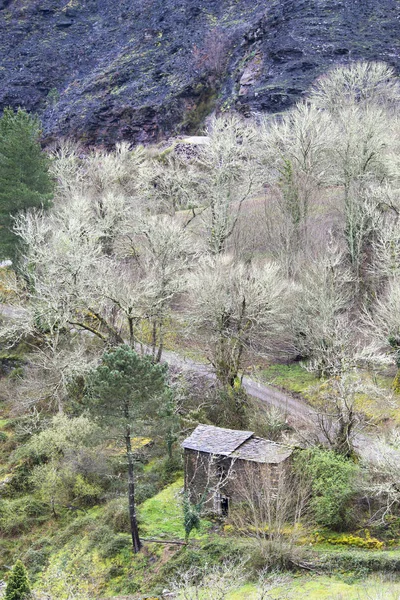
104,70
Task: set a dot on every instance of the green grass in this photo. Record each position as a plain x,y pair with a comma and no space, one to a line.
295,378
323,587
289,377
320,587
161,516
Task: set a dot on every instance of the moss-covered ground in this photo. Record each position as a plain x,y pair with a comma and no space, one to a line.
293,377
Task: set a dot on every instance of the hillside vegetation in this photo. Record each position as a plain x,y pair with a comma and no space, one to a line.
269,247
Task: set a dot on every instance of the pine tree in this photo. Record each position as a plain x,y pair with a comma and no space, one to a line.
18,586
126,392
24,174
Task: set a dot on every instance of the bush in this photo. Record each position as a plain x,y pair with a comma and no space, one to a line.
36,558
20,480
114,545
279,555
211,553
75,529
360,562
332,481
16,516
18,586
368,542
116,515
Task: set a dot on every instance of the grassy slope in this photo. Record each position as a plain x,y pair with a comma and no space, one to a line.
83,551
293,377
296,379
87,544
161,516
321,587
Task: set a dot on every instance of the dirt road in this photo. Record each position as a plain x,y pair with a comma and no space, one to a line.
295,407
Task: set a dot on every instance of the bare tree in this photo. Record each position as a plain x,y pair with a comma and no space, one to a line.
273,499
341,418
361,150
61,267
104,272
361,158
98,173
225,175
322,330
237,308
213,582
156,255
363,221
359,83
55,362
381,481
382,324
293,150
166,183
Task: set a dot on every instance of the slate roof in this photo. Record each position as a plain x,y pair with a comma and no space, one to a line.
262,451
238,444
215,440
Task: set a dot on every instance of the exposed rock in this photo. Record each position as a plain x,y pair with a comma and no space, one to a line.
102,71
251,74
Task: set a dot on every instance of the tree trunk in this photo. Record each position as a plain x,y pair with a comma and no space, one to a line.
131,493
154,339
160,343
131,333
343,439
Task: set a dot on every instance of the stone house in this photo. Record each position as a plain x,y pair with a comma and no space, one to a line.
217,463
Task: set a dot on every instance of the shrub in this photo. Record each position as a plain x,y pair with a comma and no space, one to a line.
332,482
75,529
37,558
114,545
279,554
360,561
17,515
116,515
351,540
18,586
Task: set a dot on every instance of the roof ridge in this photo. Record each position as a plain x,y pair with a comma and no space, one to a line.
244,442
216,440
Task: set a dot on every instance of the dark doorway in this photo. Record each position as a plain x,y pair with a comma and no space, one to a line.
224,506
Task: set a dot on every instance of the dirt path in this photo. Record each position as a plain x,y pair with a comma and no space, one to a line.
266,393
261,391
296,407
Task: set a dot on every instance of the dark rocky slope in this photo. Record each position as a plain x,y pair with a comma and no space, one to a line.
104,70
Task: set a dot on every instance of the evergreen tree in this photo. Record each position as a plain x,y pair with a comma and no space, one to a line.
24,173
126,390
18,586
191,514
